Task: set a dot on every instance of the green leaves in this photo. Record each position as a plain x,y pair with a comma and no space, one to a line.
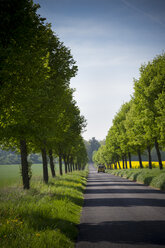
36,99
140,122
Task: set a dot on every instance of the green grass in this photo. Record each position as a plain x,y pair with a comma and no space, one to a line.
11,174
154,177
44,216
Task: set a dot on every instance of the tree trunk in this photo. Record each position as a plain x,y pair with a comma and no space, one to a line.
130,162
68,163
115,165
149,157
45,165
65,162
60,164
109,166
158,154
126,162
51,163
73,165
123,163
140,159
119,165
72,162
71,169
24,164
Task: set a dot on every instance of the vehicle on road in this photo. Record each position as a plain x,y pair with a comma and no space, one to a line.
101,168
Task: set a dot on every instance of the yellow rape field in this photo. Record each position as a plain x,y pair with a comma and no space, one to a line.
136,165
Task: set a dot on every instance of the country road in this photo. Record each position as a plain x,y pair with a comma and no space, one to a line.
120,213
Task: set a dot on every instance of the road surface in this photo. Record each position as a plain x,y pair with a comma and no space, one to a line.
118,213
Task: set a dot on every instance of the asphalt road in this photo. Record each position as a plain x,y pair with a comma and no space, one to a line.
120,213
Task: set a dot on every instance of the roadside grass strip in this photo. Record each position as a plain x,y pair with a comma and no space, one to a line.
44,216
154,177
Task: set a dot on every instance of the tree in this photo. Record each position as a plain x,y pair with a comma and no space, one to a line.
35,72
93,146
148,89
135,131
160,119
24,53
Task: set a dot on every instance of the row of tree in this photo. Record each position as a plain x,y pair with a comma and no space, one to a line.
91,145
38,112
139,125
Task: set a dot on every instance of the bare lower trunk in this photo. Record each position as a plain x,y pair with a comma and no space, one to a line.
149,157
68,163
159,155
109,166
130,162
51,163
125,161
65,162
60,164
115,165
140,159
45,165
73,165
24,164
70,167
119,165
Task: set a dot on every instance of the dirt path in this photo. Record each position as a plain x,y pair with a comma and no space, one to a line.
120,213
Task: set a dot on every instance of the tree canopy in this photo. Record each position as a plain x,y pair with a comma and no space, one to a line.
139,124
38,110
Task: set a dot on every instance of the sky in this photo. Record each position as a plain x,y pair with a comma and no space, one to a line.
109,40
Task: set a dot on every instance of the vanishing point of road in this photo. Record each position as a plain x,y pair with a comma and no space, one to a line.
118,213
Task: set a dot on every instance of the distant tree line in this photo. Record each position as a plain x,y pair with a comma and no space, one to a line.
139,125
91,145
37,110
12,157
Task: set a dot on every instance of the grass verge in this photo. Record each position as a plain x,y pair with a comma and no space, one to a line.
44,216
154,177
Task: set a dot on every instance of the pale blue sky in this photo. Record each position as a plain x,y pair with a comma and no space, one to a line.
109,39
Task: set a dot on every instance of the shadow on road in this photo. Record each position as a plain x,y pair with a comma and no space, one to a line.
130,232
122,191
108,181
124,202
116,184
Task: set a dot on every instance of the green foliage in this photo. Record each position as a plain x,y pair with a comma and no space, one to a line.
149,90
91,146
154,177
37,105
139,124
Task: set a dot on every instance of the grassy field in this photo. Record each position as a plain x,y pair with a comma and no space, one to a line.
44,216
11,174
154,177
